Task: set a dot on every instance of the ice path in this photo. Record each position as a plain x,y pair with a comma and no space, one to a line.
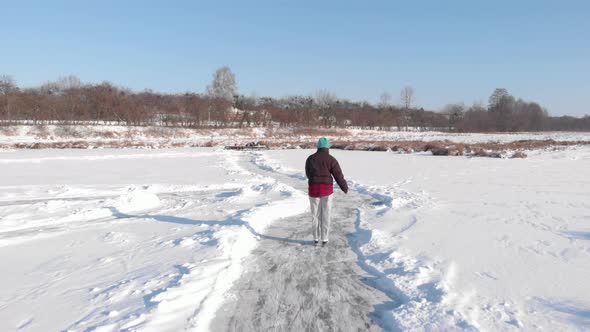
289,284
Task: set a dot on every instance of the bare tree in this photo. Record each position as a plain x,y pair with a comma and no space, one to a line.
222,91
497,96
501,108
68,101
475,119
455,113
325,101
385,100
7,84
69,82
407,97
7,88
223,85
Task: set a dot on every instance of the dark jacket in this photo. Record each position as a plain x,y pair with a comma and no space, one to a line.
321,166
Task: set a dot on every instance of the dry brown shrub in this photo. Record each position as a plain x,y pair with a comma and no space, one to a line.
79,145
314,131
281,140
306,145
378,147
404,149
107,134
113,145
269,131
338,146
164,132
440,152
39,132
37,146
519,154
456,150
432,146
497,154
8,131
480,153
137,144
407,149
67,131
132,133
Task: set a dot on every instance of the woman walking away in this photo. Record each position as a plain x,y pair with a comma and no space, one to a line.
320,167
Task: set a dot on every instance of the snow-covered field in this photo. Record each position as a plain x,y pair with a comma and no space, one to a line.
134,239
153,240
96,135
496,244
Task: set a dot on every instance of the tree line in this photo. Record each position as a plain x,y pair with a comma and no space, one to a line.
69,101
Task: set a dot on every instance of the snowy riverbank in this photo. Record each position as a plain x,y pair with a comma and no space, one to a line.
116,136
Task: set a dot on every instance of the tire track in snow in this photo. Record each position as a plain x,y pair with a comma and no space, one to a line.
78,220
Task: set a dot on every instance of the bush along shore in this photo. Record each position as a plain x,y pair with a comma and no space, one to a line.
516,149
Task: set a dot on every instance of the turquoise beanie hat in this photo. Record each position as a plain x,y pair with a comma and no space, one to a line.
323,143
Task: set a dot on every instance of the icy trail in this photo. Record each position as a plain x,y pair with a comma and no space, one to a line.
290,284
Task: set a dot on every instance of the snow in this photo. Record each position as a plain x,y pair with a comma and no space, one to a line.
125,239
156,240
475,244
154,136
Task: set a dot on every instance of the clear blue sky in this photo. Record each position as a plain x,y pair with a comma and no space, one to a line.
449,51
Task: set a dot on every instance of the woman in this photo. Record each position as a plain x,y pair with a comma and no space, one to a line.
321,168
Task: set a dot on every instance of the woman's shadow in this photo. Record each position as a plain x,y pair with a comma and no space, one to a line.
234,220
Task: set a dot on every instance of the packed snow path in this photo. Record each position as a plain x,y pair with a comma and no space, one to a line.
291,284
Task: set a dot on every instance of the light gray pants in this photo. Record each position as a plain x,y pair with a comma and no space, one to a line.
320,217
